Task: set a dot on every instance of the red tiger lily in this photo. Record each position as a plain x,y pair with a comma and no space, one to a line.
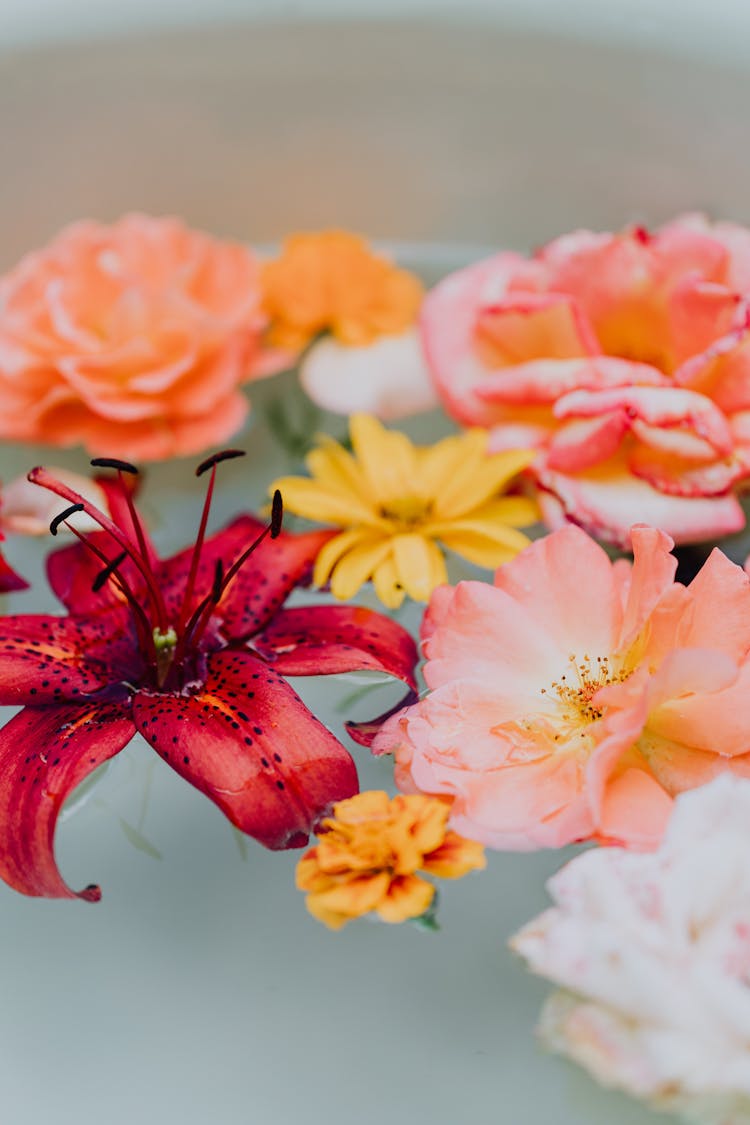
191,651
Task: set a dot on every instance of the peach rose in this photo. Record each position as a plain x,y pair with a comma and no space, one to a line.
623,358
132,339
574,698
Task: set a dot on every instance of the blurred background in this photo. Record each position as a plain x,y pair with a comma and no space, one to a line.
478,122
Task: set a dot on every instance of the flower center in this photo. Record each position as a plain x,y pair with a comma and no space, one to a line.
576,689
170,642
406,510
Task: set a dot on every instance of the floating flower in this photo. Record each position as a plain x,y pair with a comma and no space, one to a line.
575,697
369,853
28,510
654,954
623,358
397,501
131,339
388,378
191,652
332,283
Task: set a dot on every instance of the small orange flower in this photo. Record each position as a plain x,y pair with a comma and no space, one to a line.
369,852
331,281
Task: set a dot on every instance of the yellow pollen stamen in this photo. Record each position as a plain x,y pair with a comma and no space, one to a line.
591,677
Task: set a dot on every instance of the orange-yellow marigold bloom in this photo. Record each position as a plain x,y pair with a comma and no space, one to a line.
332,281
370,851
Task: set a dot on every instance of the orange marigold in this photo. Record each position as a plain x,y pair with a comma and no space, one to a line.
369,852
332,281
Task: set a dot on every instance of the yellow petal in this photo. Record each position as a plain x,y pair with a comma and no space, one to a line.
514,511
355,896
387,457
439,463
354,569
481,543
408,896
385,581
334,467
329,918
420,566
336,548
315,502
481,477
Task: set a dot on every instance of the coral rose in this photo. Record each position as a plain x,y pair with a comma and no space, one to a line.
653,952
132,339
623,358
575,697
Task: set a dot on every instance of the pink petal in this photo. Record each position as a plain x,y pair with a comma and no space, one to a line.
656,406
321,640
546,579
44,754
608,504
447,324
247,741
585,442
635,811
544,381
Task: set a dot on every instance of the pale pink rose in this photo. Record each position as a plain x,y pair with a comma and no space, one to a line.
575,697
388,378
132,339
27,509
624,358
653,952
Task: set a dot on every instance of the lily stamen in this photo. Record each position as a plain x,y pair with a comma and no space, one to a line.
45,479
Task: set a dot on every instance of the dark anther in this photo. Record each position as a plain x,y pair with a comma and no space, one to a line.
63,516
216,458
113,463
218,582
106,573
277,514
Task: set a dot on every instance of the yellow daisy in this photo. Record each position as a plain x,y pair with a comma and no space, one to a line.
395,502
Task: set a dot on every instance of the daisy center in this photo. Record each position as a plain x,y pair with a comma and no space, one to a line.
407,510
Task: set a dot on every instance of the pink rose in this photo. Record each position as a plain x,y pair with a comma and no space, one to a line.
623,358
132,339
575,697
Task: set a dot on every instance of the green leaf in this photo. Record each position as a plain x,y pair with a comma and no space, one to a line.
428,921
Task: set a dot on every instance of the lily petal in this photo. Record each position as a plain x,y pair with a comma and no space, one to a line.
53,659
248,742
9,579
319,640
262,584
44,754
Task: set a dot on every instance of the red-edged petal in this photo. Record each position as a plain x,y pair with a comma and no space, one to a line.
248,742
9,580
260,587
53,659
319,640
45,753
364,733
